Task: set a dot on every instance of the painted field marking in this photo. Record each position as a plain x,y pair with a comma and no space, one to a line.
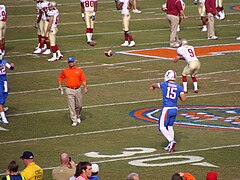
169,53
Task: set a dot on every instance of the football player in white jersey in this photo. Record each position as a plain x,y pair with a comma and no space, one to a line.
51,31
89,10
187,53
3,26
202,13
42,26
38,23
125,6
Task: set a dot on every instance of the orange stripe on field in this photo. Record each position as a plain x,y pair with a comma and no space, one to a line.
169,53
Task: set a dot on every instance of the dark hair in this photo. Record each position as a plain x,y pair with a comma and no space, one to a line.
176,176
12,166
80,166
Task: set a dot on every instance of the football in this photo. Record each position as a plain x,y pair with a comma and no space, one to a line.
92,43
164,7
108,53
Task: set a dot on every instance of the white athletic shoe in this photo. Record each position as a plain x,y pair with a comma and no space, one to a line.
212,37
79,120
48,51
178,29
204,29
132,43
136,11
60,56
5,121
172,146
37,51
52,59
167,147
238,38
125,44
5,109
221,15
74,124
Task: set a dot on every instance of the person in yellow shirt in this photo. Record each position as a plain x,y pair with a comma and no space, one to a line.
32,171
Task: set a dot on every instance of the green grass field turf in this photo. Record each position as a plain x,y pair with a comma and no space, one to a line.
38,113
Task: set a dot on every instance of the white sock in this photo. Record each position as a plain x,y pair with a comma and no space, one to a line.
89,37
171,132
3,115
195,86
166,133
185,86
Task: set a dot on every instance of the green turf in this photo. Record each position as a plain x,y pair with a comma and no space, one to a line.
38,113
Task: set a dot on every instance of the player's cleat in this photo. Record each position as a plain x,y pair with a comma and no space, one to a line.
60,56
204,29
221,15
74,124
4,121
48,51
37,51
172,146
92,43
217,17
132,44
212,37
195,91
238,38
5,109
52,59
79,120
136,11
195,2
167,147
178,29
125,44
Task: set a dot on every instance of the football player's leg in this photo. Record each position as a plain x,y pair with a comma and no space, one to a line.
163,123
54,47
88,26
1,36
184,78
194,79
3,97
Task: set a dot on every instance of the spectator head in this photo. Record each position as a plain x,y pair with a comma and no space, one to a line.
176,176
83,168
27,157
64,159
212,176
133,176
95,169
12,166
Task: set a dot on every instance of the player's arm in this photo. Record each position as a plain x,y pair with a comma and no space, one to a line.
82,10
119,4
51,18
60,79
182,96
95,3
178,57
153,86
10,66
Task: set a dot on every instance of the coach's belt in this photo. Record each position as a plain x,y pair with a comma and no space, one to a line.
73,87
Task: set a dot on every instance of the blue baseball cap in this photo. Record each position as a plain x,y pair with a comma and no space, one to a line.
27,155
71,59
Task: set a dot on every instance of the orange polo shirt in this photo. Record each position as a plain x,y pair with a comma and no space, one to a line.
73,77
188,176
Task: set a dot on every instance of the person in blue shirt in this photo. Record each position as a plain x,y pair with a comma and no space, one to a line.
95,170
170,93
4,86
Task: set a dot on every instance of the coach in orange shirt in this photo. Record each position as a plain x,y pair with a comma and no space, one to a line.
74,78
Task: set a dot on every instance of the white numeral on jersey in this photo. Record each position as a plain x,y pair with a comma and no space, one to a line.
171,92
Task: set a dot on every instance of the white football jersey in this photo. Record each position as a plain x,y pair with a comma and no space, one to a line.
44,7
187,52
88,5
125,9
3,13
55,14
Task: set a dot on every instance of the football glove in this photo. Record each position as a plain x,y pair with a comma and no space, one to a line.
83,17
36,25
93,16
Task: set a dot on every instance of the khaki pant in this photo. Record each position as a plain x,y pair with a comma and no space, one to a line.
192,68
74,102
52,36
211,31
125,21
3,28
173,23
202,9
88,20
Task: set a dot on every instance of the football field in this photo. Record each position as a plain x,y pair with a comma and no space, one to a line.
119,120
